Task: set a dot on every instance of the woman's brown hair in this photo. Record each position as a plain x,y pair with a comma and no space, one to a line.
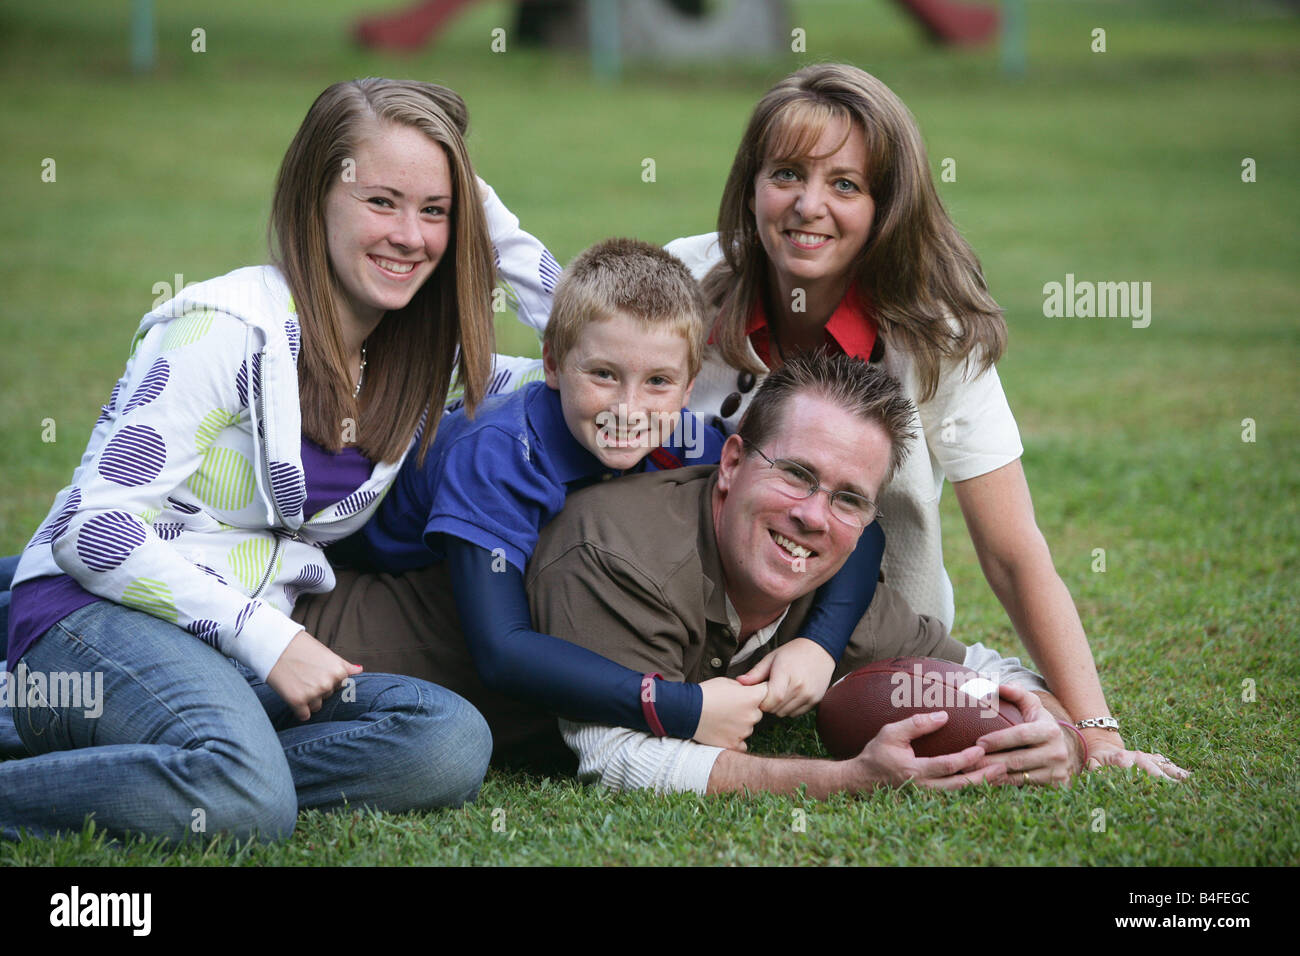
922,279
446,326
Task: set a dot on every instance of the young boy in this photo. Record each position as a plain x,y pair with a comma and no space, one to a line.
620,354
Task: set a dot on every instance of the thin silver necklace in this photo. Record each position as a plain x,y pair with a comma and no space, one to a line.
361,375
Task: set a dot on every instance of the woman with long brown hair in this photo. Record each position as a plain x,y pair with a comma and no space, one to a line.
831,232
261,416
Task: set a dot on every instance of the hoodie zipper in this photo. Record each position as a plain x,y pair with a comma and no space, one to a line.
266,459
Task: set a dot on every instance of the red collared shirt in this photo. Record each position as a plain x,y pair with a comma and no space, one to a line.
850,329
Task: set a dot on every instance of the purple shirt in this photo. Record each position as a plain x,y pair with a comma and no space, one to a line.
330,477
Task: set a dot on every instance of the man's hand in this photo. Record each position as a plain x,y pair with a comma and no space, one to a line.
307,673
729,713
1110,754
1037,751
888,760
797,676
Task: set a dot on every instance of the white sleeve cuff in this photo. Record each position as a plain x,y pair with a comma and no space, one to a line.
1005,670
623,759
263,639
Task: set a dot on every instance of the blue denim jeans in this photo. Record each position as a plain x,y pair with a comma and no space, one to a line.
169,738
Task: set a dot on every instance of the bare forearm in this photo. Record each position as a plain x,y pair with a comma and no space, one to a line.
1039,606
737,771
1018,565
887,760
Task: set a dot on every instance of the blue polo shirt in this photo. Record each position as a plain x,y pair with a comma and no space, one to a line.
496,479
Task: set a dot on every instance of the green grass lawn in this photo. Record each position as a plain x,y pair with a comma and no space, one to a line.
1123,165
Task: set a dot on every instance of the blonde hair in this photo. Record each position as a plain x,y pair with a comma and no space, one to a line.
447,323
920,276
632,278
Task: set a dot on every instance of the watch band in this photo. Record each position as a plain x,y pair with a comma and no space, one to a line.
1105,723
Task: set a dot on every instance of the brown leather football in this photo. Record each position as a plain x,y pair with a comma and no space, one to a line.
859,704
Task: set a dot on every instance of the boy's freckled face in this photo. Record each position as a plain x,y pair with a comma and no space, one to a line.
622,387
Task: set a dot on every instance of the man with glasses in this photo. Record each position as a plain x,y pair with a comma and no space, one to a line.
706,575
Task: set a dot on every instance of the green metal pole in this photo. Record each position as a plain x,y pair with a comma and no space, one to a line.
143,41
604,36
1013,40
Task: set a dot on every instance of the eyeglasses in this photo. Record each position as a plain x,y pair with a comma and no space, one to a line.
796,481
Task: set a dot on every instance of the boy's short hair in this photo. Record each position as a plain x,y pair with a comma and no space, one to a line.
635,278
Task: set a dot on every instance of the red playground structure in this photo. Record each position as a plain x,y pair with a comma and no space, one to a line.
945,21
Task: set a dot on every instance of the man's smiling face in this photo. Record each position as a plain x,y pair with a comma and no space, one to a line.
776,549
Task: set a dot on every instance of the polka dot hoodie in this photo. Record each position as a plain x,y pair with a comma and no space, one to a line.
188,503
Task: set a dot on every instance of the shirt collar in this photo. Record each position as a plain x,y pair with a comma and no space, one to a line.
756,640
851,326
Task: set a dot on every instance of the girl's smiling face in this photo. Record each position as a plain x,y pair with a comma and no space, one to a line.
388,225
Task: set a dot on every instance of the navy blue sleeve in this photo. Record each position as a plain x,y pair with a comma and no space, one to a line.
841,601
566,679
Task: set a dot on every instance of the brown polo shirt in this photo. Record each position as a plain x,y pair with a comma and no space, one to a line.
631,570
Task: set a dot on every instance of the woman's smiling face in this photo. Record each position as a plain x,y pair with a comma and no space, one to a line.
813,214
389,224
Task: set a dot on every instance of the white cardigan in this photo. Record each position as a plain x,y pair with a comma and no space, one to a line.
188,501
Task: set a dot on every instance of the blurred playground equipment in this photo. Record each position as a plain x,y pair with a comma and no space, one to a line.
660,30
673,29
